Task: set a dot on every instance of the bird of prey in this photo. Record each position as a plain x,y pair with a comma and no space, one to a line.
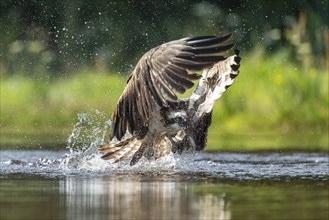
159,122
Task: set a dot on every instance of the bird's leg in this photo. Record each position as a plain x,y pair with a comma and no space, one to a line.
161,146
178,142
149,152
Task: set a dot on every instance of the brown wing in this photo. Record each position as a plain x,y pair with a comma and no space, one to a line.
158,74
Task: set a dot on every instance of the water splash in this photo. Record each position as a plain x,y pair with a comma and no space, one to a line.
82,158
90,130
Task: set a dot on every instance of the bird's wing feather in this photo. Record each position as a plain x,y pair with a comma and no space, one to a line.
160,73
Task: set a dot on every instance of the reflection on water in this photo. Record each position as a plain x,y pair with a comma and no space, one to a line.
159,197
56,185
136,198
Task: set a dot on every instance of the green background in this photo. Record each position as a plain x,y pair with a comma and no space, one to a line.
61,58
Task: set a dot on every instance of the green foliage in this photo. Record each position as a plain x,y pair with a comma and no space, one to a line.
56,37
274,92
54,104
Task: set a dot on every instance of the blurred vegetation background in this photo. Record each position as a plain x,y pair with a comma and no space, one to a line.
59,58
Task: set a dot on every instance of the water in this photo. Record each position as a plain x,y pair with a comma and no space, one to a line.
232,166
74,183
40,184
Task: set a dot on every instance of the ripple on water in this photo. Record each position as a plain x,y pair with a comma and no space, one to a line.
242,166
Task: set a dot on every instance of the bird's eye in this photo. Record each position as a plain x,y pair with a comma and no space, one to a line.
175,120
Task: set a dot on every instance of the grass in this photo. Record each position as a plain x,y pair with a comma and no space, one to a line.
28,104
274,104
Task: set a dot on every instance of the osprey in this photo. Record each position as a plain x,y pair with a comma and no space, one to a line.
158,121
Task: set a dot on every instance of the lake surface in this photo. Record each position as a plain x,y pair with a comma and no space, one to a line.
39,184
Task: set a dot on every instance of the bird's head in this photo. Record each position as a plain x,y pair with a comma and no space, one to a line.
177,119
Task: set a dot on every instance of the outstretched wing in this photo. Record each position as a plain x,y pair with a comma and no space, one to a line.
158,74
216,81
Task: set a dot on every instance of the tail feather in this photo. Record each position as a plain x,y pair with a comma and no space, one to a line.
133,150
109,148
120,150
138,154
112,147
